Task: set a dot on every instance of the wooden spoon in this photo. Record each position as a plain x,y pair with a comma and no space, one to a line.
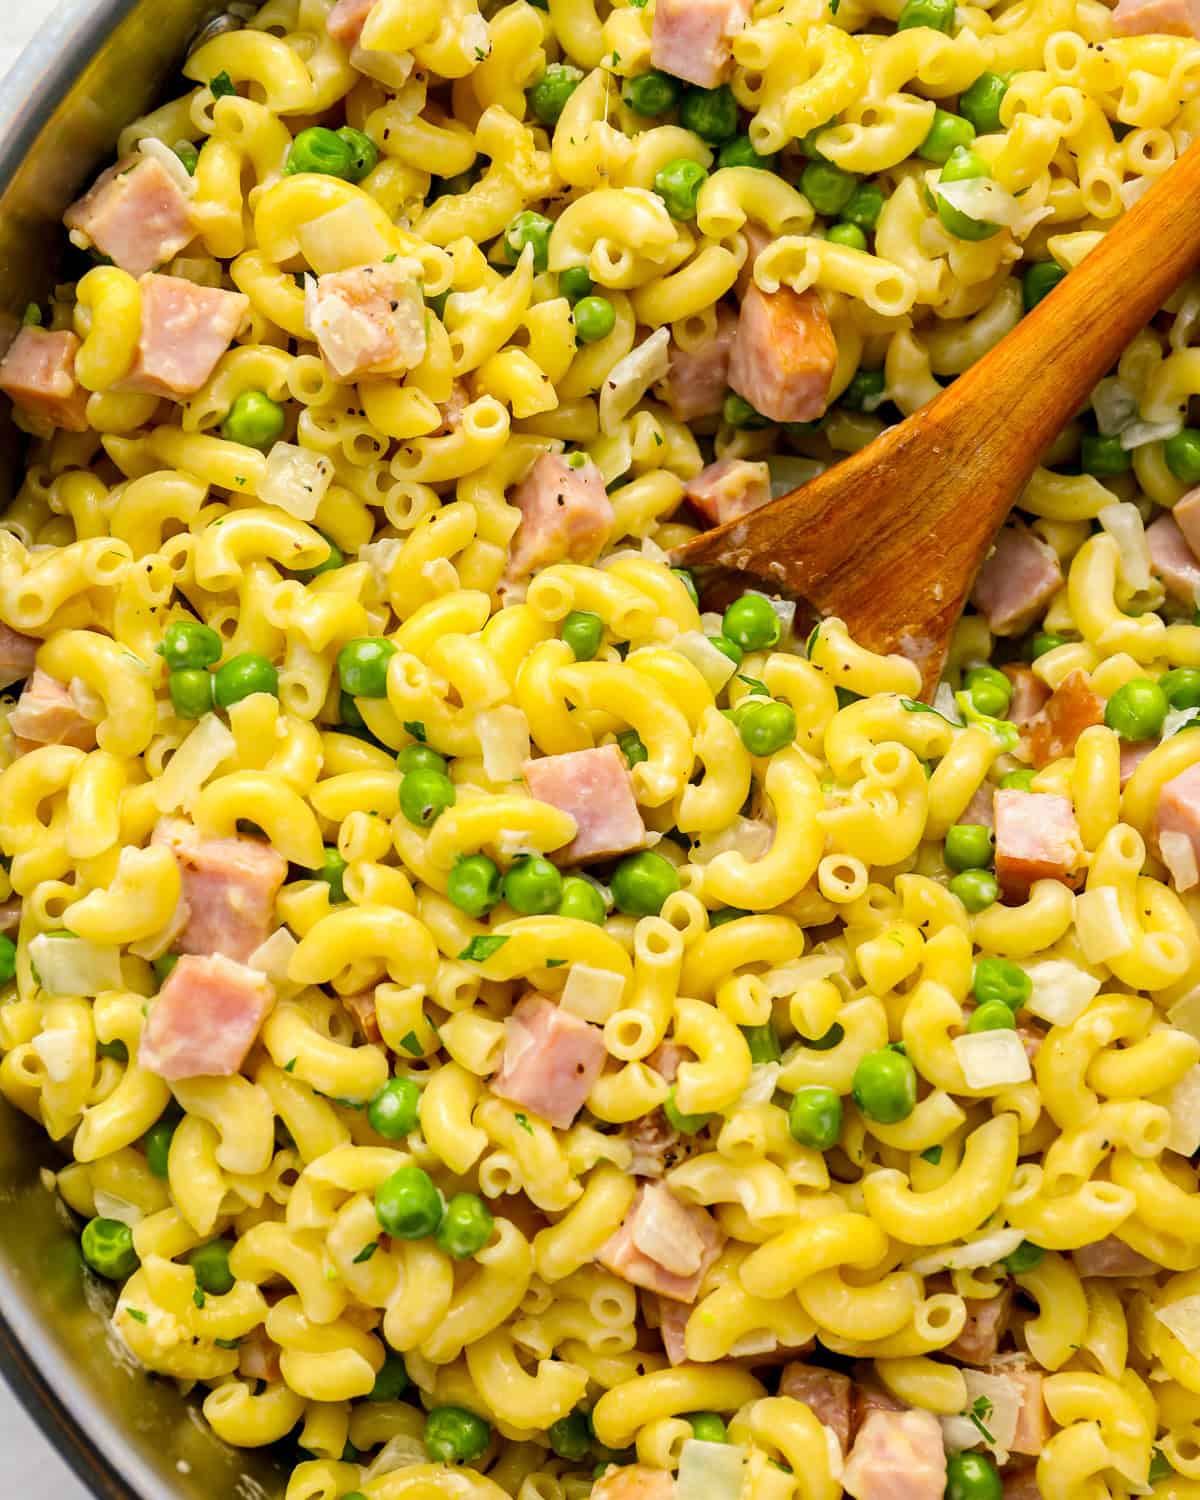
890,539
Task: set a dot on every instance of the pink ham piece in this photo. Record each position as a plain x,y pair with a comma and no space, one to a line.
663,1244
258,1357
897,1455
1169,17
1021,1483
633,1482
1179,812
1018,579
565,514
551,1060
980,811
784,354
17,653
1033,1420
136,214
365,1018
1112,1257
38,373
692,39
865,1399
825,1392
757,238
1133,755
185,329
47,714
729,489
1172,560
672,1325
205,1019
229,889
987,1321
595,787
653,1145
1030,695
1186,515
698,378
1070,709
346,20
369,321
10,916
1037,838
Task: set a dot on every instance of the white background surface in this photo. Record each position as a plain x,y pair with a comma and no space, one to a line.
29,1467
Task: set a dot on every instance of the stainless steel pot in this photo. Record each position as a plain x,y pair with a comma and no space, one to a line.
96,66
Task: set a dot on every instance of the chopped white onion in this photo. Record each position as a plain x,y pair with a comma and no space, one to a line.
785,613
652,550
1062,991
984,1251
1183,1105
347,236
745,836
150,146
198,758
504,742
400,1452
946,704
1133,191
630,378
713,665
982,199
1123,522
710,1471
1179,856
59,1051
272,957
71,966
1182,1318
392,68
1186,321
109,1206
295,480
1178,718
786,978
1115,406
1138,434
592,994
1003,1397
380,557
764,1080
667,1238
1100,925
992,1059
1185,1013
790,471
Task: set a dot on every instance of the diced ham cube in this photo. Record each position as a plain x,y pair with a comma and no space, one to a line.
698,378
654,1144
1020,1482
864,1399
987,1321
136,214
205,1019
672,1325
258,1356
1172,559
1144,17
551,1060
1070,709
980,811
897,1455
185,329
17,653
1037,838
47,713
595,787
369,321
757,238
10,916
1179,808
634,1482
1030,695
38,373
1033,1420
1112,1257
1133,755
346,20
825,1392
229,887
784,354
666,1057
1018,579
729,489
363,1013
692,39
565,514
663,1244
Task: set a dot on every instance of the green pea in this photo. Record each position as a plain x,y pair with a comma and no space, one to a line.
425,796
707,1427
629,742
809,141
947,133
968,846
191,693
652,93
963,166
976,889
528,228
994,1016
454,1435
1103,456
866,391
242,676
865,206
408,1204
595,318
533,886
362,666
583,631
418,757
466,1227
582,901
1001,979
684,1124
188,155
751,623
333,873
740,152
678,184
1044,642
710,113
211,1265
571,1436
885,1086
390,1384
980,104
255,420
763,1043
971,1476
393,1111
1026,1257
738,412
188,643
1137,709
157,1142
548,97
849,235
108,1248
990,690
8,959
1017,781
319,150
334,559
474,885
689,583
768,727
1039,281
815,1117
938,15
827,187
574,283
162,967
1182,453
364,153
642,882
727,648
1182,687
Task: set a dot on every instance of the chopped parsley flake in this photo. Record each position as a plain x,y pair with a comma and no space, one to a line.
978,1413
479,949
416,729
933,1155
410,1044
366,1252
523,1122
222,85
137,1314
